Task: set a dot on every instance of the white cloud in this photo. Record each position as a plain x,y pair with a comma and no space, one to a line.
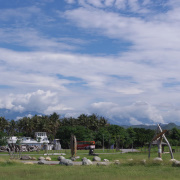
134,121
96,3
19,13
60,108
151,34
137,113
129,91
120,4
70,1
109,2
30,38
69,82
28,115
40,101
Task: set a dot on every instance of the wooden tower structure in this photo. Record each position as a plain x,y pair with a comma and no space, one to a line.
159,136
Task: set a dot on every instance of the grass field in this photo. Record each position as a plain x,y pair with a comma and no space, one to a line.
126,170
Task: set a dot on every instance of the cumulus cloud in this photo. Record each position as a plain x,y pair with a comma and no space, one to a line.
136,113
40,101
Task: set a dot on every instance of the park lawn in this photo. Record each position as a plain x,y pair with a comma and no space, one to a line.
16,171
12,170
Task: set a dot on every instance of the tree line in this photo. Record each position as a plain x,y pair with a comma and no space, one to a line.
85,128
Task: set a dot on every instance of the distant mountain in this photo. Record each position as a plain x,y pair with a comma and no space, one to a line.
9,115
154,127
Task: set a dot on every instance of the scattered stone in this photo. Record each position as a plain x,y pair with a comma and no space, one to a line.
157,159
172,160
117,162
84,158
73,158
33,158
3,149
130,160
102,164
42,162
60,158
48,158
106,160
96,158
25,157
86,162
41,158
176,163
66,162
30,163
143,161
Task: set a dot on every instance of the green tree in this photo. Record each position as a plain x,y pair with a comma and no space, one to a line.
12,128
3,124
3,140
82,134
132,135
174,136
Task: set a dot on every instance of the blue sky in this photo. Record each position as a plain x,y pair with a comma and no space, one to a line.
116,58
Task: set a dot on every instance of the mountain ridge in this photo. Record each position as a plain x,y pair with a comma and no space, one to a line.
168,126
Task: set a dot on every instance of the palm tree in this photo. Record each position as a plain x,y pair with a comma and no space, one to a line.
93,122
12,128
82,120
54,123
3,124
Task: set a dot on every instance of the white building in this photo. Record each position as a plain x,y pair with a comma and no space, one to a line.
41,138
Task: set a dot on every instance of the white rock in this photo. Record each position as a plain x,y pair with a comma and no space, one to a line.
117,162
157,159
48,158
86,162
84,158
106,160
130,159
96,158
66,162
176,163
42,162
143,161
172,160
41,158
60,158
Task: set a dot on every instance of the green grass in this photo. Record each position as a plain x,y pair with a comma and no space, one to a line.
125,171
18,171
